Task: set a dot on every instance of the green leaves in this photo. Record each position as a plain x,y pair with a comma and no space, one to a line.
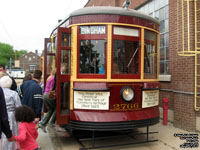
21,52
7,52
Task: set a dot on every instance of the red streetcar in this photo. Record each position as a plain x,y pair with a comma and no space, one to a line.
107,69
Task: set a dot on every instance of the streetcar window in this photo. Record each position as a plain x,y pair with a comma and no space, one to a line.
92,56
54,44
65,62
49,48
50,63
66,39
125,57
150,55
64,103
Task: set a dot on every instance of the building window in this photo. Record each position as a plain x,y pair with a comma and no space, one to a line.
32,67
29,58
159,10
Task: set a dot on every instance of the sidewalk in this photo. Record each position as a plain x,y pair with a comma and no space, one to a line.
44,140
171,138
168,139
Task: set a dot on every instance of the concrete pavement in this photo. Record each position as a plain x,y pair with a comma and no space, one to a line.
166,140
44,141
169,138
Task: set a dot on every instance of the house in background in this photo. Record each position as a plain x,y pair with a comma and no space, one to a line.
30,61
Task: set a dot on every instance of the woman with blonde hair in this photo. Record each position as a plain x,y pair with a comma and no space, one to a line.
49,101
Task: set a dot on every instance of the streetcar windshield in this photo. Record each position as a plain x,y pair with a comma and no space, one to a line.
92,57
125,57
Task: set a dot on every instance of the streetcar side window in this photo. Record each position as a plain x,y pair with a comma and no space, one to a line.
64,99
49,48
66,39
150,55
92,57
125,57
50,64
65,62
126,52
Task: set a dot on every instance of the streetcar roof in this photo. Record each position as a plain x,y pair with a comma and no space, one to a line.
96,10
112,11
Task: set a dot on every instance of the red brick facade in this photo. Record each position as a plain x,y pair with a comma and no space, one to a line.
116,3
30,59
182,68
180,91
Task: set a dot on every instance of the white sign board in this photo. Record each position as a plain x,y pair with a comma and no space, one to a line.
92,29
126,31
150,98
91,100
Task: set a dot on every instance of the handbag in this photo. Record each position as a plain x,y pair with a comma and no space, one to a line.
52,94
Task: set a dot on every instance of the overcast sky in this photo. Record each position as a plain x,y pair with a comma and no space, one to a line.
25,23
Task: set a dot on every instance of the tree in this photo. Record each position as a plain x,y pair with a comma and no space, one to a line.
6,53
21,52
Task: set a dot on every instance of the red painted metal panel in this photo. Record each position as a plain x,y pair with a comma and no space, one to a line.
90,86
125,113
113,19
106,116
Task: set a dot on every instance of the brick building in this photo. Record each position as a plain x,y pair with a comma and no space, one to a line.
177,59
30,61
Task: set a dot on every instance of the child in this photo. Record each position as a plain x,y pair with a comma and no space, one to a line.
27,128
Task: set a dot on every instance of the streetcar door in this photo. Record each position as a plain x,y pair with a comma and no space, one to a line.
63,75
49,58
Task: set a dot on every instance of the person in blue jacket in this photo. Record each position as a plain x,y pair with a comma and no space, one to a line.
32,93
4,123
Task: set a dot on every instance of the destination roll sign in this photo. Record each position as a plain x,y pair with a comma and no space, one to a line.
92,30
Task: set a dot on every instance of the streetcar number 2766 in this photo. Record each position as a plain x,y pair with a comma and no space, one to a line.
121,107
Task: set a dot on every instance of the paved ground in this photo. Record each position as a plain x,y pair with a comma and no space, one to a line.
166,140
44,141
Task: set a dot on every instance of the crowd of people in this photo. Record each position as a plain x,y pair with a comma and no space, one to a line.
21,109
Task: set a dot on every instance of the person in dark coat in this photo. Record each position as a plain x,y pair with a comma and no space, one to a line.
14,84
4,123
32,93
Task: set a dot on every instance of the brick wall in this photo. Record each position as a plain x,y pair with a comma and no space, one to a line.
29,59
182,68
116,3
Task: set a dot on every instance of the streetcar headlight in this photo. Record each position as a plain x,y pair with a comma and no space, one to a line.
127,93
